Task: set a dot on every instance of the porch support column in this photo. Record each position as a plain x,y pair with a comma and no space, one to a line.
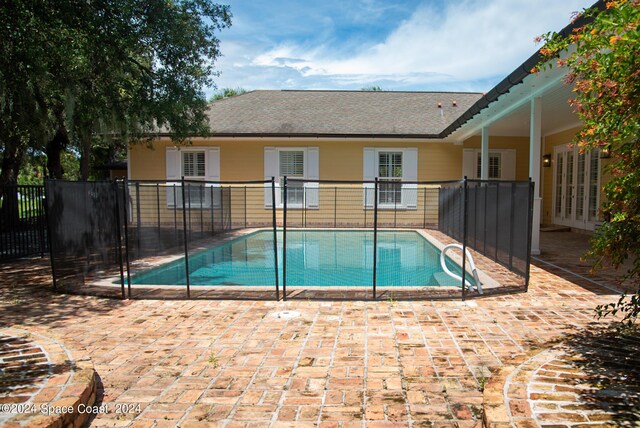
535,145
484,155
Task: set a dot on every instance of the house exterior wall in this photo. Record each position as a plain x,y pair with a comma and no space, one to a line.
340,159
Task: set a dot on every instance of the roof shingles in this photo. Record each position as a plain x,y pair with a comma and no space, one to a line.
338,113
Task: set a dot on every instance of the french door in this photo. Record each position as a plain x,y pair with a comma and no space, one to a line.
576,187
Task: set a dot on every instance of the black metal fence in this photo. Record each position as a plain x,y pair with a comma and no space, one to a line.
261,239
22,222
492,217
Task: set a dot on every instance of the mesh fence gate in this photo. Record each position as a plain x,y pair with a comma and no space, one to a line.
292,238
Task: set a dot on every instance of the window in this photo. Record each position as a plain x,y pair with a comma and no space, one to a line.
292,162
193,165
291,165
394,167
501,164
390,174
495,165
193,168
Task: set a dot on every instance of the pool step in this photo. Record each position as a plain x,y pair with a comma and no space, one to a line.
444,279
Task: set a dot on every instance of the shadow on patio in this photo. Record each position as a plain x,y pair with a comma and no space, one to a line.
609,359
26,297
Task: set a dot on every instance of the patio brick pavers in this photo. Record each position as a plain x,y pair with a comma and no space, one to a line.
340,363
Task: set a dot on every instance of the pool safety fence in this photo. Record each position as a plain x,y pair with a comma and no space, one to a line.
22,222
106,237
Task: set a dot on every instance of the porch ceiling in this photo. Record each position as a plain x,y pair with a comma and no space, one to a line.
557,115
509,115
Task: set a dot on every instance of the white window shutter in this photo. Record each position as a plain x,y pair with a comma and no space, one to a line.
469,163
173,170
410,173
508,167
173,163
212,191
212,171
369,174
271,170
311,189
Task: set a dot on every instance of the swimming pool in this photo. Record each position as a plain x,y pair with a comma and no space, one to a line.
314,258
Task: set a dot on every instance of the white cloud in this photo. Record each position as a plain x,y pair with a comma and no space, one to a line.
468,43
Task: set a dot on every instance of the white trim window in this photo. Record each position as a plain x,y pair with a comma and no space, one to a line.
193,163
502,164
391,165
292,162
193,168
291,165
390,174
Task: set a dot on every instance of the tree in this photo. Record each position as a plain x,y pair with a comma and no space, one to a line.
82,70
605,71
226,93
371,89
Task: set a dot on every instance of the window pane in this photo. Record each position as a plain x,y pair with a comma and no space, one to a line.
390,192
194,195
494,165
193,164
396,165
295,193
390,165
291,163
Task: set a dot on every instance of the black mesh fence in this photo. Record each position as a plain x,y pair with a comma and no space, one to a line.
83,220
305,239
22,222
498,221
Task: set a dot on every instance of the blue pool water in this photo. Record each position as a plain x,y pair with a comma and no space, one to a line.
314,258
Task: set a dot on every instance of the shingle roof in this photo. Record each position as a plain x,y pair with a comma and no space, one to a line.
339,113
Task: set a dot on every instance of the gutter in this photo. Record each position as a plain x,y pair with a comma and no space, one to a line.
313,135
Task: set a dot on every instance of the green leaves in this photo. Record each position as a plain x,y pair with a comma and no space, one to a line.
98,67
605,71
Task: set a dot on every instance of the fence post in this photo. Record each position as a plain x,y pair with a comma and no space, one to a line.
531,195
497,219
184,235
158,210
138,218
125,190
335,206
464,236
275,233
284,241
512,224
424,214
175,212
201,194
375,234
245,207
119,237
211,209
47,219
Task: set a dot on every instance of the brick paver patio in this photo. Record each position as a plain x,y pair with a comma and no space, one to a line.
339,363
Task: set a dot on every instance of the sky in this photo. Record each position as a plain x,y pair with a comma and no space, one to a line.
428,45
